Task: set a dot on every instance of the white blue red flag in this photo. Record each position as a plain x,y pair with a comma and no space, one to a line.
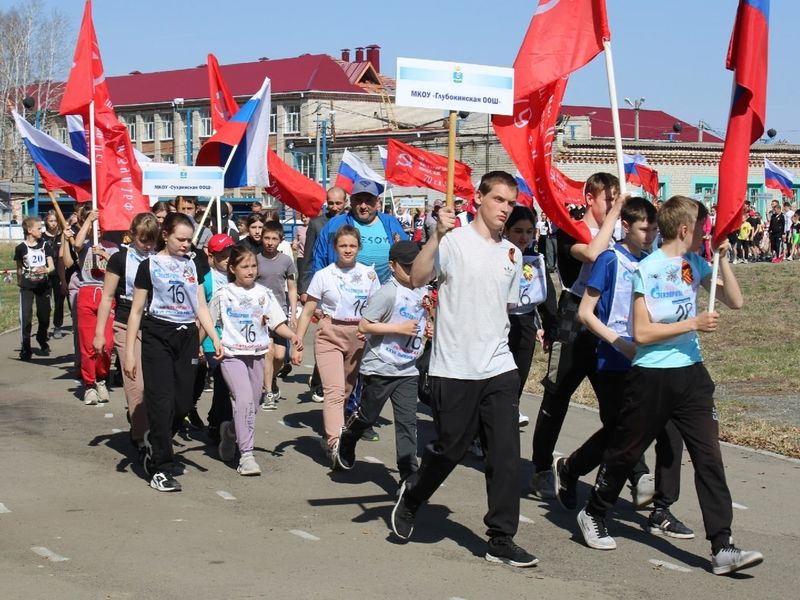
77,134
748,59
247,132
525,193
59,166
777,178
639,174
353,168
384,154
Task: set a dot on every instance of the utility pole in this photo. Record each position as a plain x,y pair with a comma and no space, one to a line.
324,159
317,157
636,105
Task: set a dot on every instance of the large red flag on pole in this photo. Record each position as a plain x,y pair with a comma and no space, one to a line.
407,165
116,176
293,188
562,37
223,105
747,58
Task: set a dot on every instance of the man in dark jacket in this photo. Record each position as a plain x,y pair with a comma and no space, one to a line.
334,206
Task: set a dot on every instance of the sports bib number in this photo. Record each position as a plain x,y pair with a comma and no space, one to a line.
402,349
353,294
174,289
533,282
670,290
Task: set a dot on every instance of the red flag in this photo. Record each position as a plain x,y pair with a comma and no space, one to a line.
406,165
562,37
119,178
747,58
293,188
649,180
223,106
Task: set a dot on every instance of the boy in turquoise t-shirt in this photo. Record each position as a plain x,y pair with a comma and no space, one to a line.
669,381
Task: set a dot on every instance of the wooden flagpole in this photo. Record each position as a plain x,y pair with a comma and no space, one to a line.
612,95
451,158
57,208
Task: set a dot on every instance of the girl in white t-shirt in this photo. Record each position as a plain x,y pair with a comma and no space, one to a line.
526,328
340,290
246,312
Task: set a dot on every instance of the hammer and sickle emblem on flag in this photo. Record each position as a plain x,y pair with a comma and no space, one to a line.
404,160
546,5
522,117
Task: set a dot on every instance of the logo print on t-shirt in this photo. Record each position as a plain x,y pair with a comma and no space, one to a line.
396,237
672,274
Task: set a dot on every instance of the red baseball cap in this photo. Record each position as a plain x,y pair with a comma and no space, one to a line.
220,242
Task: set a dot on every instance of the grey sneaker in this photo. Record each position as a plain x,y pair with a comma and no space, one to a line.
90,396
642,493
594,531
227,441
102,391
730,559
248,465
269,401
543,483
662,522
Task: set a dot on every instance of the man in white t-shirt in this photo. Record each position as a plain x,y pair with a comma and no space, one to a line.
474,380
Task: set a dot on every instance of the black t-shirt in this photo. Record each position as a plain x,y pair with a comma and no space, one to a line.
31,258
568,266
118,265
776,223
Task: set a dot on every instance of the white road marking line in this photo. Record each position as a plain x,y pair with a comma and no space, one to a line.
282,422
309,366
48,554
304,534
178,520
226,495
115,430
373,460
668,565
739,506
456,598
3,509
524,519
109,415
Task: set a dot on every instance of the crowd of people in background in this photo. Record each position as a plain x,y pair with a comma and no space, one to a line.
390,292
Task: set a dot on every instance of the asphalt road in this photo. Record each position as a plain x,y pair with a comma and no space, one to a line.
77,519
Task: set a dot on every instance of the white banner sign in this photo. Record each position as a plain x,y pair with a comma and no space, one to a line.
164,179
417,202
454,86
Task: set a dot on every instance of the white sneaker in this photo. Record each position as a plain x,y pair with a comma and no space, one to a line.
731,559
227,441
594,532
90,396
642,493
543,483
102,391
523,420
248,465
317,395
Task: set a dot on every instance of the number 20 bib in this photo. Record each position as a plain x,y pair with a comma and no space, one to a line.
670,289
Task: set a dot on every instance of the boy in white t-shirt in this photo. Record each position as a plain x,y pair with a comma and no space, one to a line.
474,379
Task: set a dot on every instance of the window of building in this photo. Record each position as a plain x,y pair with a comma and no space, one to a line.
292,119
131,121
206,129
306,164
168,158
148,128
273,119
63,135
166,127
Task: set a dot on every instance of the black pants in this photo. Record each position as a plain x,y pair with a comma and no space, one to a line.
169,361
461,408
669,444
652,398
573,357
27,297
58,301
522,342
403,393
221,407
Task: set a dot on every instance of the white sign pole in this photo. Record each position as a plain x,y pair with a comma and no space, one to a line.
93,162
612,94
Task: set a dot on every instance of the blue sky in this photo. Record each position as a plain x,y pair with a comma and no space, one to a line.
671,52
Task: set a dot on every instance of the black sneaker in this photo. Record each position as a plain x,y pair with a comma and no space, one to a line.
285,370
44,349
370,435
565,484
345,454
25,355
662,522
194,419
164,482
213,434
504,550
403,515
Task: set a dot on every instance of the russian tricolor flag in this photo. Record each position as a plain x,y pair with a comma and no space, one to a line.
248,131
352,168
525,193
639,174
59,166
778,179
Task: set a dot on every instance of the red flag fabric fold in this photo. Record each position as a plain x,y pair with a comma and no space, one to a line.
748,59
407,165
293,188
118,176
223,105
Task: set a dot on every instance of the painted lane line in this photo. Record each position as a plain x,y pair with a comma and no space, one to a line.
524,519
178,520
373,460
3,509
48,554
226,495
739,506
304,534
668,565
115,430
109,415
309,366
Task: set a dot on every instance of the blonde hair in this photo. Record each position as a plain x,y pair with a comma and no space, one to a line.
677,211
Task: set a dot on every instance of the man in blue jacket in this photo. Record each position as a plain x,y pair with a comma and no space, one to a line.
378,231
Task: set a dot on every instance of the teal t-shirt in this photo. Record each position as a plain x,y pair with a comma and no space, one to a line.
213,281
374,251
669,286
